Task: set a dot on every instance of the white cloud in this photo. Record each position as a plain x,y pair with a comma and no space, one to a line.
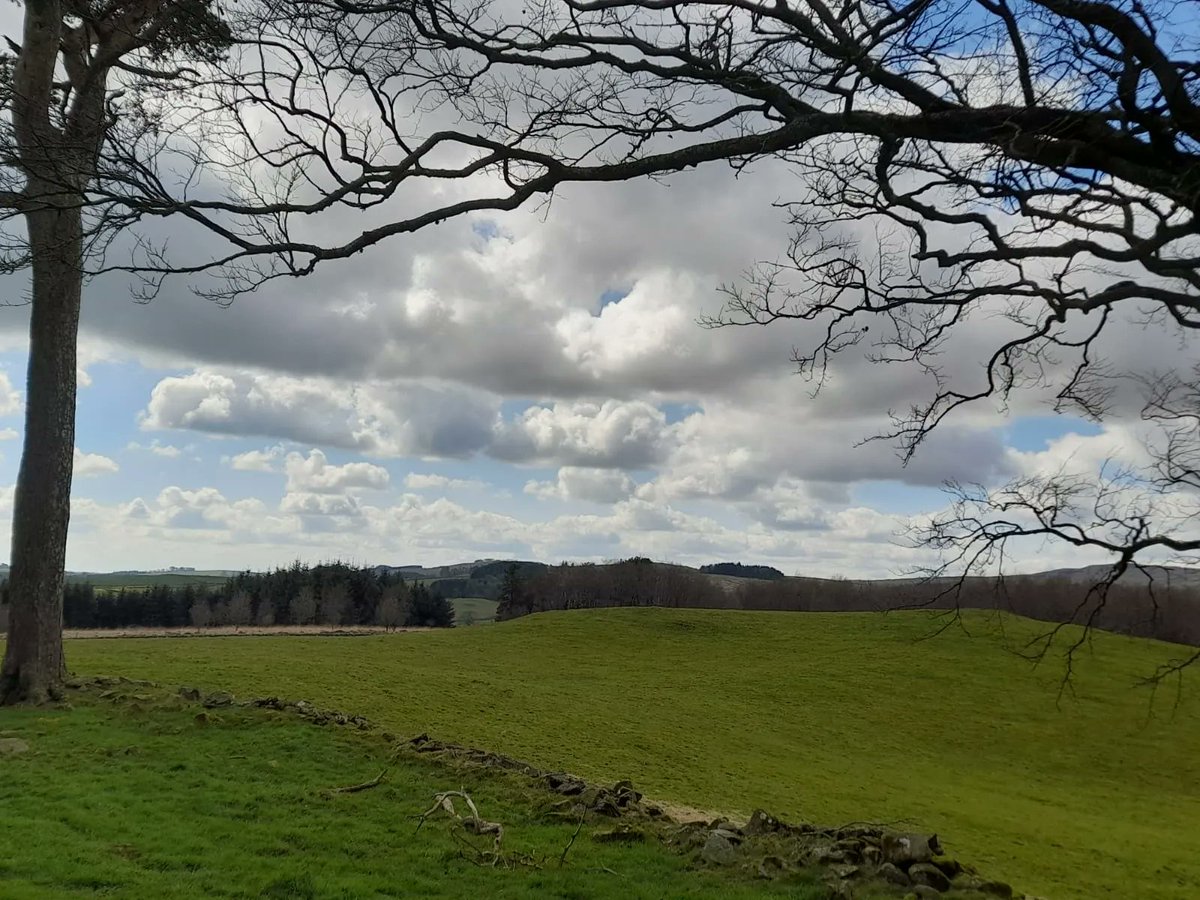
589,485
169,451
314,474
621,434
701,441
394,419
255,460
416,481
91,464
9,434
1116,445
11,401
311,504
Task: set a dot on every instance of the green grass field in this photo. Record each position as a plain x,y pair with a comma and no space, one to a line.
473,610
114,581
821,717
150,804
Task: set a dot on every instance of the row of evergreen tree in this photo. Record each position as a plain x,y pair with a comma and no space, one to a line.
327,594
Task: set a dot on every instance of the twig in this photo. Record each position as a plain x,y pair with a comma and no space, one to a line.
365,786
473,823
567,849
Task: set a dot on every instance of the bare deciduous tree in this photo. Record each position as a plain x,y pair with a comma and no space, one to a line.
392,610
1032,163
1038,159
200,614
304,606
240,610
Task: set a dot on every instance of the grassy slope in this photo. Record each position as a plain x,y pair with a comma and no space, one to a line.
479,609
152,805
115,581
825,717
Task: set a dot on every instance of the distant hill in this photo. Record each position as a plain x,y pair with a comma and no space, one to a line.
1170,612
737,570
1161,602
481,578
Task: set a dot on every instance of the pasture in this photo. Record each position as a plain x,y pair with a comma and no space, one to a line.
146,799
1091,793
473,610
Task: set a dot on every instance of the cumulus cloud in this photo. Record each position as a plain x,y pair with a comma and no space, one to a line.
700,441
416,481
313,474
410,419
1116,445
88,465
158,448
613,434
11,401
255,460
9,434
587,484
313,504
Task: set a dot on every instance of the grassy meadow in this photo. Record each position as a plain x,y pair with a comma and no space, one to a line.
115,581
828,718
473,610
142,801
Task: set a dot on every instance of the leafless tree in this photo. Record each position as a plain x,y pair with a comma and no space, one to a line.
240,610
392,610
1029,166
304,606
1038,159
200,614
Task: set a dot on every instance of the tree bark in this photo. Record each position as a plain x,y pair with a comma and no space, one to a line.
33,667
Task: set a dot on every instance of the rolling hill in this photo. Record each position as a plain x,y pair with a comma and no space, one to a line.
1078,794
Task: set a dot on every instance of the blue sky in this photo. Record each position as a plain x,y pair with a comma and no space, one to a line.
145,462
529,385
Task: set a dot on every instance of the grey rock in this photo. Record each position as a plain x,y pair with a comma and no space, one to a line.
217,699
718,851
893,874
761,822
771,867
996,889
902,849
13,746
928,875
925,892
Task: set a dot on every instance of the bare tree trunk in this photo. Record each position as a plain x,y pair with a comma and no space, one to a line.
33,667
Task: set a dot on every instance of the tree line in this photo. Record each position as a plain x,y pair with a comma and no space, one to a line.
328,594
1160,609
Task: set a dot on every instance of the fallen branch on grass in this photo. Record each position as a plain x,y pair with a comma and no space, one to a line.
472,824
355,788
567,849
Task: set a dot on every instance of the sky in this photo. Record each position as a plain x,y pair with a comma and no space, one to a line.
533,385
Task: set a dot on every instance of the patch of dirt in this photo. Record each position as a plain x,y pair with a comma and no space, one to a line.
686,815
234,631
